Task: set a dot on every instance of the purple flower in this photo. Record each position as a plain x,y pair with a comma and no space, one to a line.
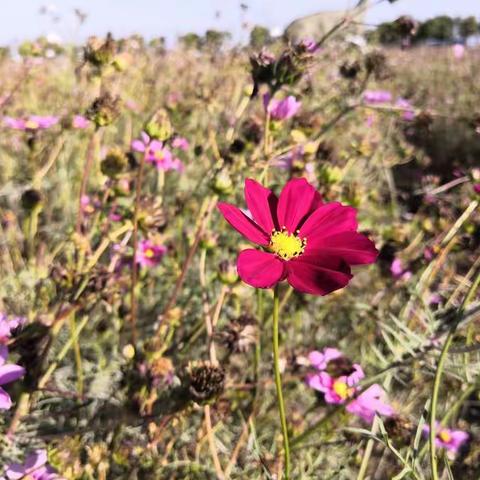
408,113
281,109
155,152
9,372
7,325
446,438
458,51
335,378
150,254
180,143
32,122
34,468
377,96
309,45
80,122
370,402
399,271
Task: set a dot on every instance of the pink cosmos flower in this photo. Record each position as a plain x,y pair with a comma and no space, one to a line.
34,468
446,438
8,325
476,188
180,143
309,45
408,113
80,122
32,122
9,372
309,243
377,96
458,51
155,152
281,109
336,377
399,271
370,402
150,254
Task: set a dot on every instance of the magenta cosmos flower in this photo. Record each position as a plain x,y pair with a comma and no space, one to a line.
34,468
150,254
32,122
371,402
8,325
446,438
377,96
281,109
9,372
80,122
155,152
335,376
309,243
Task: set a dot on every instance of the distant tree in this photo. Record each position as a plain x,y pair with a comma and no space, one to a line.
190,41
468,27
260,36
438,28
215,39
386,33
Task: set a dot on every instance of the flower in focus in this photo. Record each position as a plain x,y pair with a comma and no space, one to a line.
309,243
446,438
370,402
8,325
377,96
34,468
336,376
150,254
281,109
80,122
9,372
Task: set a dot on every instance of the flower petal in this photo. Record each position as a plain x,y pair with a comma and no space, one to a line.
329,219
262,203
295,202
240,222
5,400
10,372
138,146
260,269
318,274
36,460
354,248
3,354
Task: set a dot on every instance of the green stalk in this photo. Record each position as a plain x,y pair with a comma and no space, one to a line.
278,384
438,377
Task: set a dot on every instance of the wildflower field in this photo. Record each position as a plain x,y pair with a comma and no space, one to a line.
234,263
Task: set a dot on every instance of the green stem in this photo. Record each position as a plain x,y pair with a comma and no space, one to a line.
438,377
278,383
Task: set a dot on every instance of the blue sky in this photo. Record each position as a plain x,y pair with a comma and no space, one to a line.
21,18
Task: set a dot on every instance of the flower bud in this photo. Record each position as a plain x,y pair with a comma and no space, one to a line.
104,110
31,200
114,163
222,183
227,272
159,126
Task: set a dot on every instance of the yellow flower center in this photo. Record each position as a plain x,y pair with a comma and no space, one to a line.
149,253
444,436
159,154
341,389
287,245
31,124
